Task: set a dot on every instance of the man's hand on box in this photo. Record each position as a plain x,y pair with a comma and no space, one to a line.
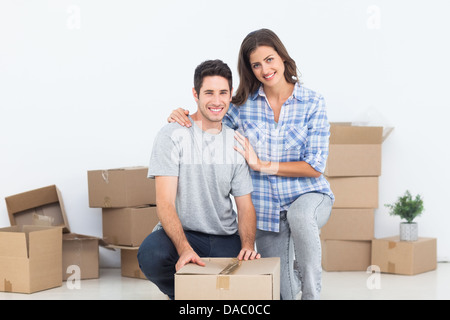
248,254
188,256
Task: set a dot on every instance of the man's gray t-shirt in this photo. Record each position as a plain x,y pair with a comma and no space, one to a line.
208,171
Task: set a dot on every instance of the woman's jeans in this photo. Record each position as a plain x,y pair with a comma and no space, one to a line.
157,255
299,234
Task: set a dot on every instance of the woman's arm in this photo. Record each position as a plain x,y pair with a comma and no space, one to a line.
180,115
284,169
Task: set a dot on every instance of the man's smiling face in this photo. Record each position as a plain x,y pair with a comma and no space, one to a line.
213,100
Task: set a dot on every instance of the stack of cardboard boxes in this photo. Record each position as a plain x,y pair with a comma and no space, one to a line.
348,243
128,201
38,250
353,169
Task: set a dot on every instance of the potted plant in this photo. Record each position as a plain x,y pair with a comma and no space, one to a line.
407,208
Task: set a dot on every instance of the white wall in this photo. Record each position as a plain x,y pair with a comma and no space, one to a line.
87,84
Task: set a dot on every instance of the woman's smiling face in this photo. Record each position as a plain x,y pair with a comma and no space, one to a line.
267,65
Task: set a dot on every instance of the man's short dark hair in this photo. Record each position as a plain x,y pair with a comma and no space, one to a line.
211,68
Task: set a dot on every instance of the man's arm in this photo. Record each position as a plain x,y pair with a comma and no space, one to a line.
247,227
166,191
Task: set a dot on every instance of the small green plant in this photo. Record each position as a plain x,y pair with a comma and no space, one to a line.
407,207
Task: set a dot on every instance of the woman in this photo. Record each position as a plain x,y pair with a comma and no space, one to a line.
284,138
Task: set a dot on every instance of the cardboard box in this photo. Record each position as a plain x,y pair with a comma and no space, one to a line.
404,257
354,150
81,251
122,187
32,207
227,279
355,192
128,226
30,258
130,264
349,224
346,255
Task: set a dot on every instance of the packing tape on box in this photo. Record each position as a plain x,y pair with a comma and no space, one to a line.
231,267
223,279
105,175
41,220
7,286
106,202
223,282
391,265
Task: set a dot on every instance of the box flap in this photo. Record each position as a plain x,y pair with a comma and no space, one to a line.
344,133
43,240
220,265
76,236
115,246
258,266
212,266
82,237
31,199
47,201
371,116
63,211
13,242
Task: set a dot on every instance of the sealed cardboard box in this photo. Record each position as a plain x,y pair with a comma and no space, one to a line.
128,226
30,258
122,187
346,255
404,257
130,264
349,224
354,192
80,254
40,206
229,279
354,150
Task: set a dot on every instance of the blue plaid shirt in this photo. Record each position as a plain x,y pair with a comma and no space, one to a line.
302,134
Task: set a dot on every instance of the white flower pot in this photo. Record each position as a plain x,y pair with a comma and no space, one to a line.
409,231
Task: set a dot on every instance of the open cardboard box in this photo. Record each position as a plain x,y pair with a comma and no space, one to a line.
81,251
229,279
30,258
39,206
355,150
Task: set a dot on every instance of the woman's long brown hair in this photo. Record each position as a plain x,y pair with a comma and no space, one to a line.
248,84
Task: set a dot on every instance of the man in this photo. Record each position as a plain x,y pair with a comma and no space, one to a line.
196,171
